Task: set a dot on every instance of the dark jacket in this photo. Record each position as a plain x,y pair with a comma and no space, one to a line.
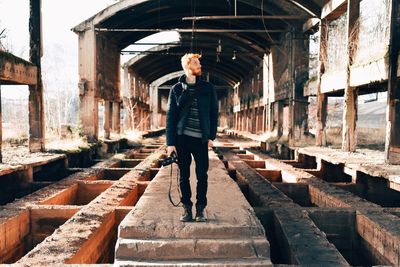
207,105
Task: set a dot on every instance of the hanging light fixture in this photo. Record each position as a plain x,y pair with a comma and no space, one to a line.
234,55
219,50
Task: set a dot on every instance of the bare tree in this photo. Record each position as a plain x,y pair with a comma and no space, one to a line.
2,36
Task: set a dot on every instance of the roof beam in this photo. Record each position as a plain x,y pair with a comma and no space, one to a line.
310,24
265,17
308,6
191,30
334,9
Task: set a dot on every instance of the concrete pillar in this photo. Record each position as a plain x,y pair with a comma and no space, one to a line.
263,118
248,120
140,120
392,144
236,121
88,101
350,107
36,100
322,100
154,107
107,118
253,120
1,130
279,114
299,57
116,117
322,104
257,119
270,117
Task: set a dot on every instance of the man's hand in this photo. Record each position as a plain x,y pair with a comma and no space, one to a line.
210,143
170,149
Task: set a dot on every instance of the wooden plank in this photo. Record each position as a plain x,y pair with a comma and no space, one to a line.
333,9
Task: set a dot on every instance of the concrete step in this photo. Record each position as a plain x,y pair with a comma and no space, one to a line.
190,230
178,249
265,262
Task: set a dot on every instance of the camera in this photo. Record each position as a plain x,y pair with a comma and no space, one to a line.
169,160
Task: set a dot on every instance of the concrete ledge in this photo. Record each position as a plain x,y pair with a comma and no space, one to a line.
197,262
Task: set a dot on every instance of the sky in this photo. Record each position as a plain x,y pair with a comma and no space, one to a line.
60,44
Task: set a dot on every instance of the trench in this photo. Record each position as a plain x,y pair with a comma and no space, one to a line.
342,226
23,231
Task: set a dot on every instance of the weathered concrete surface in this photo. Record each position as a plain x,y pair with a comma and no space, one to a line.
364,160
378,230
152,233
89,235
298,238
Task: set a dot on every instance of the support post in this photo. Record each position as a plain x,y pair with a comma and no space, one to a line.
392,144
270,116
116,117
88,100
36,101
154,107
298,76
107,118
350,107
322,100
1,131
279,120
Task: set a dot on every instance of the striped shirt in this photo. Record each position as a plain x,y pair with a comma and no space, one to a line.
192,127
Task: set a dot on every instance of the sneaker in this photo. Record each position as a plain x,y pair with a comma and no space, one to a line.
187,214
200,215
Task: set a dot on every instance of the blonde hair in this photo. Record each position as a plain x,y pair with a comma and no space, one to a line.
185,60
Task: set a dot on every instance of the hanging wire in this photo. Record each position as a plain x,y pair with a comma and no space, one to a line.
266,31
193,11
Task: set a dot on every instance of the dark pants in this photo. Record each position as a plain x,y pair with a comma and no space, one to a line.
187,145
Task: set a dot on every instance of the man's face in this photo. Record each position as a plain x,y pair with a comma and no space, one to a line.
195,67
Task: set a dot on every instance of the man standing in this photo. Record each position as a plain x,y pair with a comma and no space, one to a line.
192,119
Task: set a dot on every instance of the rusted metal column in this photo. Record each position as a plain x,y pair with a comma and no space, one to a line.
36,101
322,99
392,144
350,107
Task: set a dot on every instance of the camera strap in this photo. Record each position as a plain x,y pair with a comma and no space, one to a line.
170,186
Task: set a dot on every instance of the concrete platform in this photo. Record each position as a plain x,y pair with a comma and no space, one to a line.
151,234
367,161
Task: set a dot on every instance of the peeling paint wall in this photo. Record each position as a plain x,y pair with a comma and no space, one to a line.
336,45
374,31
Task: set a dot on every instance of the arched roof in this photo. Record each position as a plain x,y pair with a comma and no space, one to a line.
248,37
